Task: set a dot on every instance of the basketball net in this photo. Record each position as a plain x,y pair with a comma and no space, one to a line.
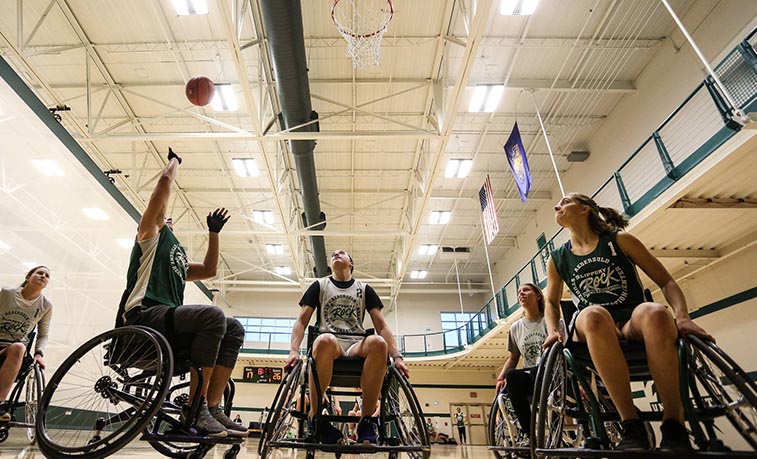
362,23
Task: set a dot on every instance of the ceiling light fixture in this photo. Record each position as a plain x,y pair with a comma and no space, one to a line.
95,213
30,264
48,167
245,167
428,249
224,100
263,216
486,98
190,7
418,274
275,249
125,243
439,217
4,246
518,7
283,270
458,168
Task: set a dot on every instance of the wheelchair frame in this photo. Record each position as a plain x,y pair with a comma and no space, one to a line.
285,426
504,429
128,393
558,396
31,382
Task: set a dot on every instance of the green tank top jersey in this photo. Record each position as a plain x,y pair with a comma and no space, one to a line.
605,277
157,271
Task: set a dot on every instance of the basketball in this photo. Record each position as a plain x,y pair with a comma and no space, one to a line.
200,90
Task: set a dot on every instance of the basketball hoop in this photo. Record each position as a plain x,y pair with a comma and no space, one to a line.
362,23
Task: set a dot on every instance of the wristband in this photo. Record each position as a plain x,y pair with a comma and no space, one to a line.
39,353
398,355
500,379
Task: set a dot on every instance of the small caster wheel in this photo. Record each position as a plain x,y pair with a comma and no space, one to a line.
94,439
310,455
3,434
232,452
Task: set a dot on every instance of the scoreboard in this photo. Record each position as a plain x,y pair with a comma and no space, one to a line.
262,375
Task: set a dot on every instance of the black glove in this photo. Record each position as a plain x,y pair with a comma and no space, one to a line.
217,219
171,154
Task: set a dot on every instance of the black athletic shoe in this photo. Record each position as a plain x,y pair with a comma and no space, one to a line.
674,437
634,436
330,435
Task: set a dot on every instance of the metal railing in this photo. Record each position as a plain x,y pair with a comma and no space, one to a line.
698,127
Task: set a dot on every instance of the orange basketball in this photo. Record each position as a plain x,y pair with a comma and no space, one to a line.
200,90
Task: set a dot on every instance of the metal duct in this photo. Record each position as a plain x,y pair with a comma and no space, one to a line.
286,43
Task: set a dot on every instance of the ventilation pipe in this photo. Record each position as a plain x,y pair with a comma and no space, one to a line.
286,44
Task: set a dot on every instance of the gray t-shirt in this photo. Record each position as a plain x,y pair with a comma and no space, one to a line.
527,338
19,316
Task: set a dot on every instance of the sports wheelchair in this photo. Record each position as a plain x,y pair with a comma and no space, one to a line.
401,425
30,382
117,385
568,389
505,434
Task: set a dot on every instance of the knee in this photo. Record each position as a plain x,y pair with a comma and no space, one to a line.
15,351
326,345
656,318
234,332
214,318
594,319
375,344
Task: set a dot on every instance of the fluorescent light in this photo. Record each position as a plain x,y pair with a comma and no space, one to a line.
224,100
275,249
439,217
477,101
263,216
517,7
190,7
458,168
245,167
428,249
418,274
283,270
4,246
95,213
125,243
493,98
30,264
48,167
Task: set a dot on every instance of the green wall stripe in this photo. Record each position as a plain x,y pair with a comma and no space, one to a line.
36,105
725,303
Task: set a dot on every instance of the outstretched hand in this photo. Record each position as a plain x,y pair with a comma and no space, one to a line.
551,339
172,155
688,327
399,364
217,219
292,360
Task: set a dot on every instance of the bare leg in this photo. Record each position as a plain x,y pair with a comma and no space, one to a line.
653,324
326,349
14,355
596,328
218,382
373,349
207,374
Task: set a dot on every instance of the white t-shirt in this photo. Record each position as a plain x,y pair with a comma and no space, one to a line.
19,316
527,338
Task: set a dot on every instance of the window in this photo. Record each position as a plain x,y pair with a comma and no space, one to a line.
452,321
266,329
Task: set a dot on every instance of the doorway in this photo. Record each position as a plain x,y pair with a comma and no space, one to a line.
476,422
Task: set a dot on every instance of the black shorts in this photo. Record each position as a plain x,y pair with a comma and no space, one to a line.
620,313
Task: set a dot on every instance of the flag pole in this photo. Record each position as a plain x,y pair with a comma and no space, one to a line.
459,291
546,139
488,263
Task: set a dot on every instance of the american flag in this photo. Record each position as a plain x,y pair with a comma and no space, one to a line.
491,226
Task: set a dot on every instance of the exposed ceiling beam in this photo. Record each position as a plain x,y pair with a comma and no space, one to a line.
714,203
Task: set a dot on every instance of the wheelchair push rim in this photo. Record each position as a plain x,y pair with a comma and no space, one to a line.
104,394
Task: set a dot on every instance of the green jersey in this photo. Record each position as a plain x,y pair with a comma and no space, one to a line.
605,277
157,271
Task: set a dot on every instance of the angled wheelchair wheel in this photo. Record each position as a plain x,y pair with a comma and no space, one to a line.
553,401
501,431
402,414
104,394
34,385
282,423
726,389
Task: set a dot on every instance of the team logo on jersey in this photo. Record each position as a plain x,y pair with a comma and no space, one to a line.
15,324
532,348
179,262
598,281
341,315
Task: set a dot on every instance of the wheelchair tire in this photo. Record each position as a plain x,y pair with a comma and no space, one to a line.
402,410
279,423
34,385
726,387
113,385
498,431
550,411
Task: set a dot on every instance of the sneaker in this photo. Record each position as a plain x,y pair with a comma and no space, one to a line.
330,435
232,427
206,422
634,436
674,437
367,431
5,416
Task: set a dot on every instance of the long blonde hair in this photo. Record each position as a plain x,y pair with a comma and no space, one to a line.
601,219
